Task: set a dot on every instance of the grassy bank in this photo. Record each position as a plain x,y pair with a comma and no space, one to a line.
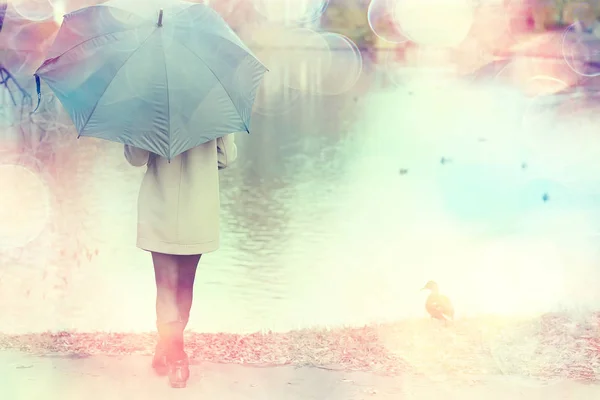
549,348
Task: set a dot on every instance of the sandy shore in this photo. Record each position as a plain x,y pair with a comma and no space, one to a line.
24,376
549,349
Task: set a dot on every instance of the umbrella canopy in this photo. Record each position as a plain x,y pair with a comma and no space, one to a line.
162,76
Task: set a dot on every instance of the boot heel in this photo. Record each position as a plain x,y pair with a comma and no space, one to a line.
179,373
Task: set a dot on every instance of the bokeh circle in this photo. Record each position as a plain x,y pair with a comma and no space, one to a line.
308,57
346,65
33,10
380,16
578,54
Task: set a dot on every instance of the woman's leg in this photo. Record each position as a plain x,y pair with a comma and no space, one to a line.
168,321
174,293
185,285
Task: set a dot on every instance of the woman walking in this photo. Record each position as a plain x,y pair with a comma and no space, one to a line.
178,221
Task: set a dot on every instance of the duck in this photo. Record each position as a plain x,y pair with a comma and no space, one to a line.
437,305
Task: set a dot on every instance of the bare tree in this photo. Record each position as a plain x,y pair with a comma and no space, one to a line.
3,7
562,6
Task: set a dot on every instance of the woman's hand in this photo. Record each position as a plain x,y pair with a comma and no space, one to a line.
136,157
226,151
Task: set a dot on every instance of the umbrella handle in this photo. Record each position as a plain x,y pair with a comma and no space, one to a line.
160,17
38,87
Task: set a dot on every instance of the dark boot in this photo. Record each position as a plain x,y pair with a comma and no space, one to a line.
179,372
171,340
177,359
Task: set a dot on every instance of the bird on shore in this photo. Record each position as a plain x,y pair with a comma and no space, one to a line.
437,305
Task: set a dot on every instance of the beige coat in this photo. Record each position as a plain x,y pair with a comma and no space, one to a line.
178,203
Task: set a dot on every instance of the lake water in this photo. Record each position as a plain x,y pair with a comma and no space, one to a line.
338,210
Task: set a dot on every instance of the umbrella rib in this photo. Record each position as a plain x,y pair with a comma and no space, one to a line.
168,98
235,44
222,37
99,36
221,83
90,39
110,83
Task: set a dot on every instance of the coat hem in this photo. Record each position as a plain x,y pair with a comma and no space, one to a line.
177,248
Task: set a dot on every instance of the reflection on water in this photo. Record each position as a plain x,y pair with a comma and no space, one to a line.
319,227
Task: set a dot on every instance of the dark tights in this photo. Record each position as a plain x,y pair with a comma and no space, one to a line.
174,275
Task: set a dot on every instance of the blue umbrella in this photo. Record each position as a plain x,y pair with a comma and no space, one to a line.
162,76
